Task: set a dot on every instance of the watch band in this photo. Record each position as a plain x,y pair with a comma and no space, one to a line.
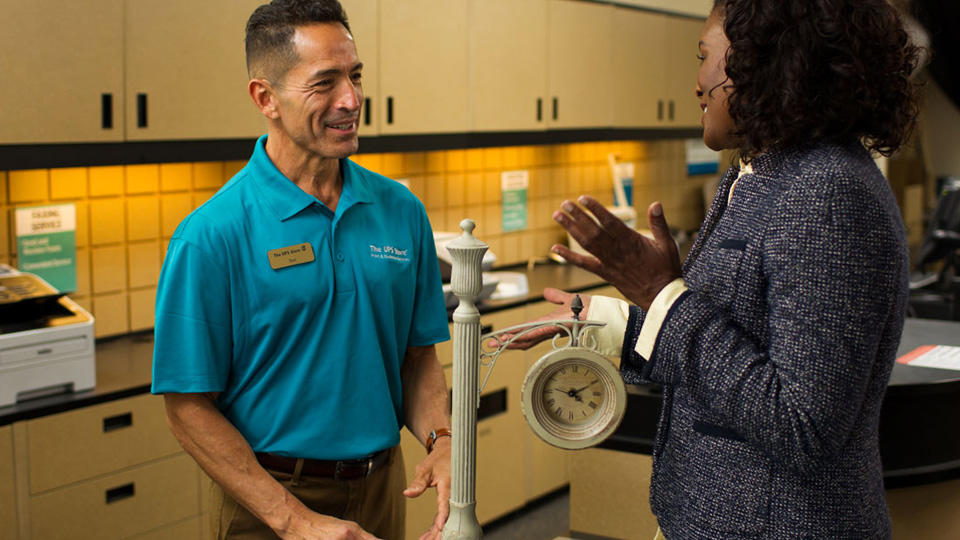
436,434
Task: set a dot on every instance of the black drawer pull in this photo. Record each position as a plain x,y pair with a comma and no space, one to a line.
106,111
492,404
119,493
659,109
119,421
141,110
366,111
486,329
670,109
556,108
42,352
389,110
539,109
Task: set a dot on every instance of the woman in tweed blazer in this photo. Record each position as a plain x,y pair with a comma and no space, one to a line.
775,339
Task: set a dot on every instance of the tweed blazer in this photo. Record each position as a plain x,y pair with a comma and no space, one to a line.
774,363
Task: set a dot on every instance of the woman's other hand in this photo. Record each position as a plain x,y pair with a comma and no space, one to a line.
639,267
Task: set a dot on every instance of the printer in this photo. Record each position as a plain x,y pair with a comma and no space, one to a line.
46,340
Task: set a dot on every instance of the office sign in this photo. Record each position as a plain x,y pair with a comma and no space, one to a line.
700,159
513,200
47,243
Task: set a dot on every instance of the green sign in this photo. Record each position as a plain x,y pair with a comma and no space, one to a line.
47,244
513,200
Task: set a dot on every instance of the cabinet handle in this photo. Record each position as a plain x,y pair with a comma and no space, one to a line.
486,329
119,493
659,109
119,421
106,111
390,110
556,107
366,112
539,109
141,110
670,109
492,404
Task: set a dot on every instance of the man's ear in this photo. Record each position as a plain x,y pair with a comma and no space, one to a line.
263,97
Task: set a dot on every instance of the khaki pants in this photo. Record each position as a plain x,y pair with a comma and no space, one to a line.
375,502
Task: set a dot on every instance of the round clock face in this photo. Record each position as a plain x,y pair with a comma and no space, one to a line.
573,398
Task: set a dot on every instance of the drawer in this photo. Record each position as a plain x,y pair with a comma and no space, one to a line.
81,444
119,505
184,530
8,507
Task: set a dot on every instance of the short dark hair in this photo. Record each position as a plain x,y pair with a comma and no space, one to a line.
805,71
270,29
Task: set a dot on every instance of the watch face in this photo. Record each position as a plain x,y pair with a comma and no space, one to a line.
572,392
573,398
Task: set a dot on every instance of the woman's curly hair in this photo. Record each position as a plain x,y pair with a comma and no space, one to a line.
805,71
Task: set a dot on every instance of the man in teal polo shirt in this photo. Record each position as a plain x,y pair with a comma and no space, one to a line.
298,309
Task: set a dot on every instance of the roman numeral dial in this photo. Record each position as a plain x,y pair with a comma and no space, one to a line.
573,393
573,397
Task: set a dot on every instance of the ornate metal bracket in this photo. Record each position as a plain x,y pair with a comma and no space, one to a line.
575,331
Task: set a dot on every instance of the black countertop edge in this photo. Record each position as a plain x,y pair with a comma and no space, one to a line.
66,402
921,476
622,443
90,154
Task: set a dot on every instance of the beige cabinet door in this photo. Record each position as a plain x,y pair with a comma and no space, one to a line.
422,67
362,18
508,73
579,64
683,108
62,67
186,74
547,466
8,506
639,68
500,428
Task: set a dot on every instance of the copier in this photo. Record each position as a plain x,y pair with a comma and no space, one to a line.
46,340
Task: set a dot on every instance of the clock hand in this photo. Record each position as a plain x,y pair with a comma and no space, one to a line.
571,392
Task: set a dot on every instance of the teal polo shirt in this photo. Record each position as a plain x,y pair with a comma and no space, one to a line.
306,351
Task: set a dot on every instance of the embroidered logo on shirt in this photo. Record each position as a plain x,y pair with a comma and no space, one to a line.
389,253
290,255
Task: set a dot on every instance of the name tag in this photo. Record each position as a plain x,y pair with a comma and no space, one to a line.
290,255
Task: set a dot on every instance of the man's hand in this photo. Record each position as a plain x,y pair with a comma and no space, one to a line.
563,312
308,525
223,453
434,471
636,265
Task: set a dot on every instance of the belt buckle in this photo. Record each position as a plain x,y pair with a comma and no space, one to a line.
367,463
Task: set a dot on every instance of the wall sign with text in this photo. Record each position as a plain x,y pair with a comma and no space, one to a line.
47,243
513,199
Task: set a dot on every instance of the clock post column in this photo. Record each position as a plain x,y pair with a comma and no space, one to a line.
466,280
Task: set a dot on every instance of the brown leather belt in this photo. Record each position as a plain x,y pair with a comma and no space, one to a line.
350,469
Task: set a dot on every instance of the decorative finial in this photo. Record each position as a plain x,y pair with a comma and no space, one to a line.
576,306
467,226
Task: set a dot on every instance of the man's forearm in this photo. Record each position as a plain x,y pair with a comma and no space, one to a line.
426,403
227,458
